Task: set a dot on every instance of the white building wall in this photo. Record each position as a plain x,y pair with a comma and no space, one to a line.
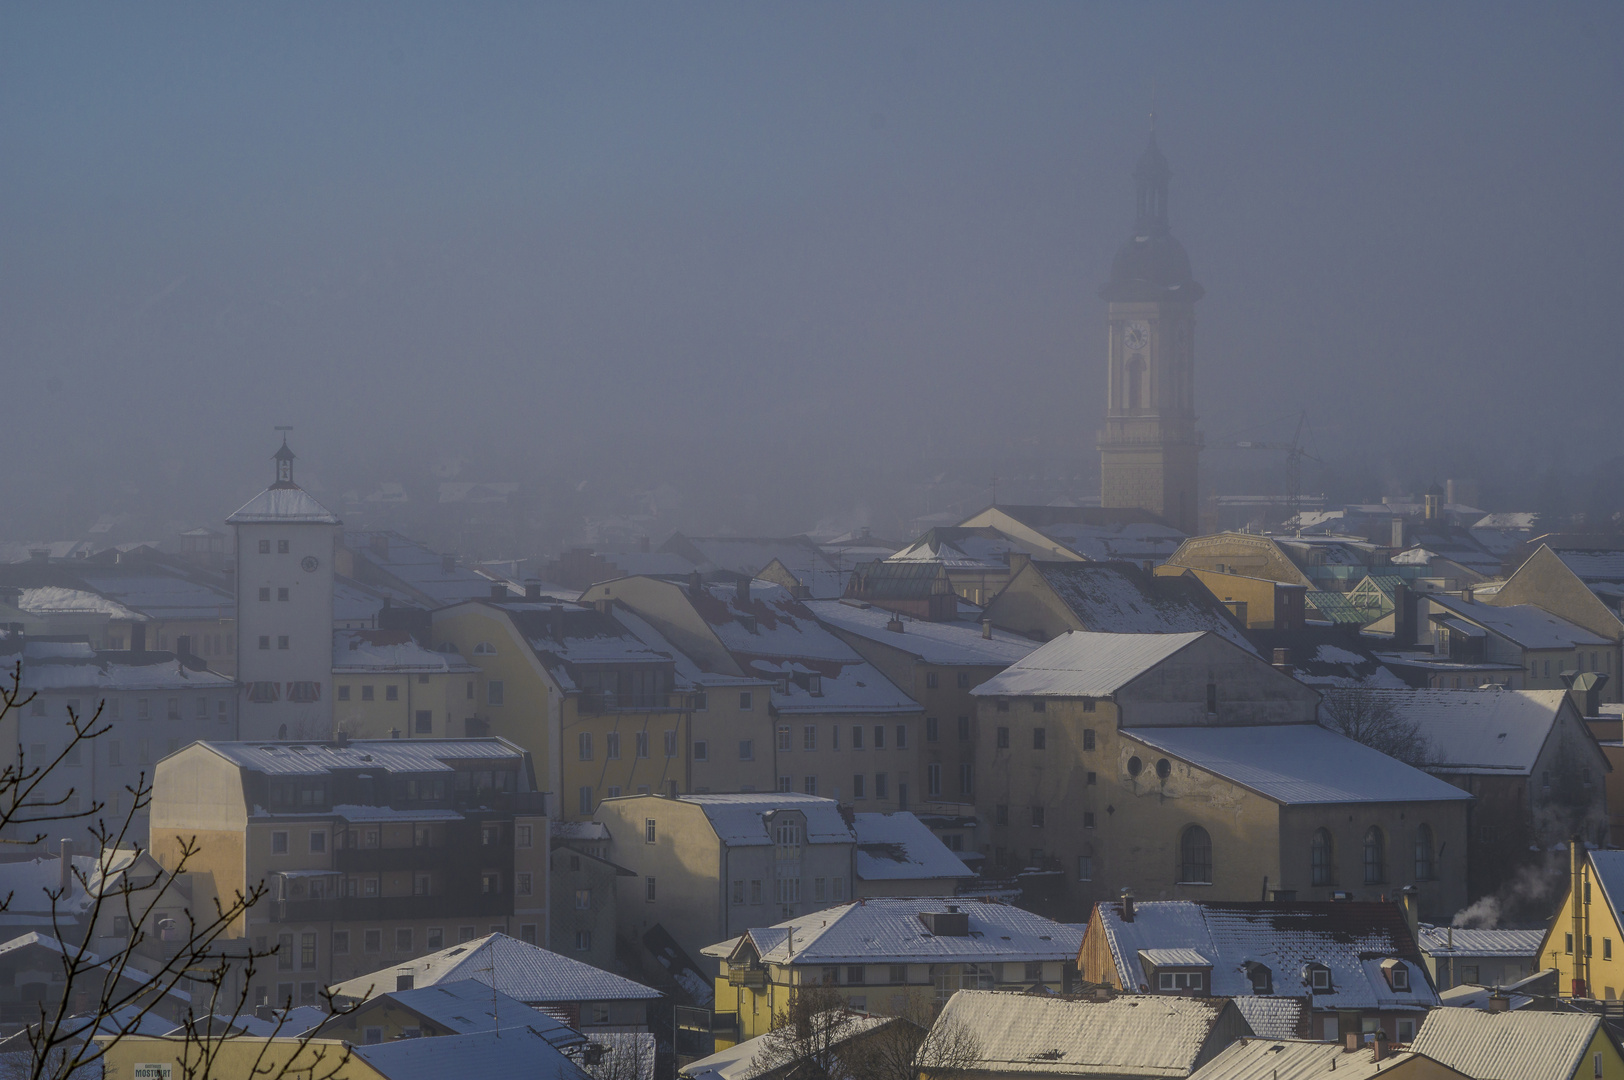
304,621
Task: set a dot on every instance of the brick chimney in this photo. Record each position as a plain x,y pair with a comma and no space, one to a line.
1127,905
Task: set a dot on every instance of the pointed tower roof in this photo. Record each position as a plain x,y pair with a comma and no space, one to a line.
1152,265
283,501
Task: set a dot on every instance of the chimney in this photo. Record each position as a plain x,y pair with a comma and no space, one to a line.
138,637
39,554
532,589
986,629
894,624
1378,1046
1434,503
1403,616
341,737
183,647
499,592
1401,528
1412,915
10,595
1576,865
744,592
64,881
1499,1003
695,584
1449,493
1353,1042
1584,688
1282,661
555,621
1127,905
394,733
380,545
448,564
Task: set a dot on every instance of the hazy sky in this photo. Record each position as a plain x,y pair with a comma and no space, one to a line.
716,243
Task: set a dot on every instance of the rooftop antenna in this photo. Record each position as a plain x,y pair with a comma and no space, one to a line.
490,966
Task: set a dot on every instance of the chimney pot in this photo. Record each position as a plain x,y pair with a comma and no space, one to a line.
499,592
448,564
1127,905
744,592
532,590
894,625
986,629
1352,1042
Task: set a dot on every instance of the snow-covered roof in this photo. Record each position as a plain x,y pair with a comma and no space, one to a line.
1270,1057
1298,764
579,832
1609,869
1130,541
58,600
946,643
1492,730
110,671
1272,1017
395,755
1350,938
283,504
525,972
688,672
1117,598
1593,566
899,847
753,1057
162,595
1080,663
1521,1045
436,578
889,930
1138,1035
741,820
1522,624
511,1052
1465,941
391,650
469,1005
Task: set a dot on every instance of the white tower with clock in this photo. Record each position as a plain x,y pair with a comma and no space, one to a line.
1149,445
285,545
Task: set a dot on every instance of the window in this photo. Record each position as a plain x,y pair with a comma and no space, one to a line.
1423,852
307,951
931,680
747,750
523,835
1040,738
810,785
522,884
344,693
282,641
1606,948
931,733
265,641
366,693
584,745
265,592
1035,815
391,692
585,805
902,736
648,889
1195,856
372,941
1375,856
964,729
1261,977
341,942
318,841
494,692
369,886
1212,697
933,780
583,939
857,786
1567,944
490,883
113,753
1088,819
784,740
403,939
755,891
422,885
879,736
1085,868
1319,977
281,547
819,890
856,737
264,547
464,934
671,744
1322,858
1003,738
279,843
282,594
744,701
484,648
784,783
284,952
641,739
839,888
738,891
967,778
789,891
855,975
1468,973
701,750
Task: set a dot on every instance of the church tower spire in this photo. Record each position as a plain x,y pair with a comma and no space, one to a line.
1149,445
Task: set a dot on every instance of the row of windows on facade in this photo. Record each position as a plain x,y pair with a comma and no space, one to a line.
787,890
299,952
614,791
1602,662
422,836
391,691
116,708
281,547
1322,859
424,883
300,692
74,756
963,976
308,794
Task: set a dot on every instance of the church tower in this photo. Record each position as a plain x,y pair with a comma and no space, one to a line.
1149,444
285,545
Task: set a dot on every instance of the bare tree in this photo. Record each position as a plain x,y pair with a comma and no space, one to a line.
1368,717
809,1036
914,1041
620,1055
197,958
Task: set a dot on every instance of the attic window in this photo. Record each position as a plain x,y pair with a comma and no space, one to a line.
484,648
1261,977
1318,977
1398,975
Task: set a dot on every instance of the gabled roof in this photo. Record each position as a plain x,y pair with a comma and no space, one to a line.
955,642
761,1056
468,1005
519,1052
1491,731
1521,1045
1521,624
1298,764
1350,938
283,505
523,971
741,819
899,847
1465,941
1118,598
1268,1058
1129,1035
396,755
888,929
1081,663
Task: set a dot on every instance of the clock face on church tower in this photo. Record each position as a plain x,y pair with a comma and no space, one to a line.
1136,335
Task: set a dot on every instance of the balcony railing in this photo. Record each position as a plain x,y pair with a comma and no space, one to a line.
755,977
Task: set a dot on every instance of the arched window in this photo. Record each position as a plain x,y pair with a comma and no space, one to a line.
484,648
1136,383
1195,856
1323,858
1423,852
1375,856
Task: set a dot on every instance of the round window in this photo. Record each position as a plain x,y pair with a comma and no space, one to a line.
1164,768
1135,766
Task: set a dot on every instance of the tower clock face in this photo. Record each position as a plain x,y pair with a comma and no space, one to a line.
1136,336
310,563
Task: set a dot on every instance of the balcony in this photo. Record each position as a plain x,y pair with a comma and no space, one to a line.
753,977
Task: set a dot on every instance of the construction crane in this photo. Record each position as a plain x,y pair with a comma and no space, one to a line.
1294,464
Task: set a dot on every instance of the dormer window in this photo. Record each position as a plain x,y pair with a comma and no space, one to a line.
1261,977
1397,973
1318,978
1175,981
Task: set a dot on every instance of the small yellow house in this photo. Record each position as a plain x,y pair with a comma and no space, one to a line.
385,684
1585,942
